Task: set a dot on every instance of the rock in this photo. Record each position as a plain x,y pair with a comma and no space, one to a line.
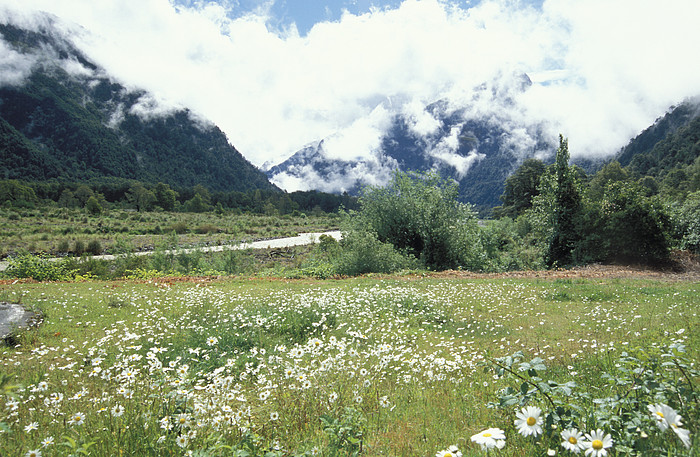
13,316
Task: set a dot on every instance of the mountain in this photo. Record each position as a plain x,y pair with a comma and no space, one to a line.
62,117
478,145
672,141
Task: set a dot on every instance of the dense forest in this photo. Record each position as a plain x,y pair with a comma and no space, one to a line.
102,195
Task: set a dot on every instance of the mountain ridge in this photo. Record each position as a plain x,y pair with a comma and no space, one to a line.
68,120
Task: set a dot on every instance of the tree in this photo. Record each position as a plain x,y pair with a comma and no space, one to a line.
196,204
93,205
140,197
17,193
611,172
636,227
567,208
520,188
165,196
83,194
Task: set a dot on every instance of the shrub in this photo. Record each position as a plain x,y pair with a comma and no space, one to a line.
94,247
364,253
78,247
418,214
206,228
63,246
39,268
178,227
686,220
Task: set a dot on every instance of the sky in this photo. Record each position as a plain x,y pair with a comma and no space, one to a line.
276,75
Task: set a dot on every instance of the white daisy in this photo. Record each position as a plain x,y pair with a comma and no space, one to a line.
490,438
451,451
572,440
529,421
77,419
597,443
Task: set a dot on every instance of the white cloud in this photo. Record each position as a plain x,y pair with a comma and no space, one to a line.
15,67
603,69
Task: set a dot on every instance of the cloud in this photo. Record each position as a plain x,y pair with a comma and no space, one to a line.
603,70
15,67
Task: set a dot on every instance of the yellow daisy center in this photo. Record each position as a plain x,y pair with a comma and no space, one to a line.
597,445
660,414
448,454
531,421
487,435
573,440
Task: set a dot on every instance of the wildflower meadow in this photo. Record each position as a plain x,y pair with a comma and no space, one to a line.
402,366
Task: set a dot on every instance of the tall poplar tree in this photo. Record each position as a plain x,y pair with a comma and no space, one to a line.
567,208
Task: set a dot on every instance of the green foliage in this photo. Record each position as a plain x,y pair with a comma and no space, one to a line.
141,198
636,227
78,247
511,246
15,193
611,172
566,208
345,433
39,268
631,384
165,196
686,221
520,188
93,206
94,247
363,253
418,214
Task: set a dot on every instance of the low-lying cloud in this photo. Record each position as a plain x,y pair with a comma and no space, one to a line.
602,70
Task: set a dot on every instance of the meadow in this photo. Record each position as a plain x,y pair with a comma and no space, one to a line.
407,365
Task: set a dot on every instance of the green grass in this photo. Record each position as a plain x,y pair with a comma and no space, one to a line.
311,353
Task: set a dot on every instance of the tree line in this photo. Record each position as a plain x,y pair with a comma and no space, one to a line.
106,194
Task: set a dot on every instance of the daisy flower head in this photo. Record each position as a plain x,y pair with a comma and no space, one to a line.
529,421
182,420
274,416
667,417
572,440
451,451
181,441
48,441
664,416
212,340
31,427
490,438
77,419
597,443
33,453
117,410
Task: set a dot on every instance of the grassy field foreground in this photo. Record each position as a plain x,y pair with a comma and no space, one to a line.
399,367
